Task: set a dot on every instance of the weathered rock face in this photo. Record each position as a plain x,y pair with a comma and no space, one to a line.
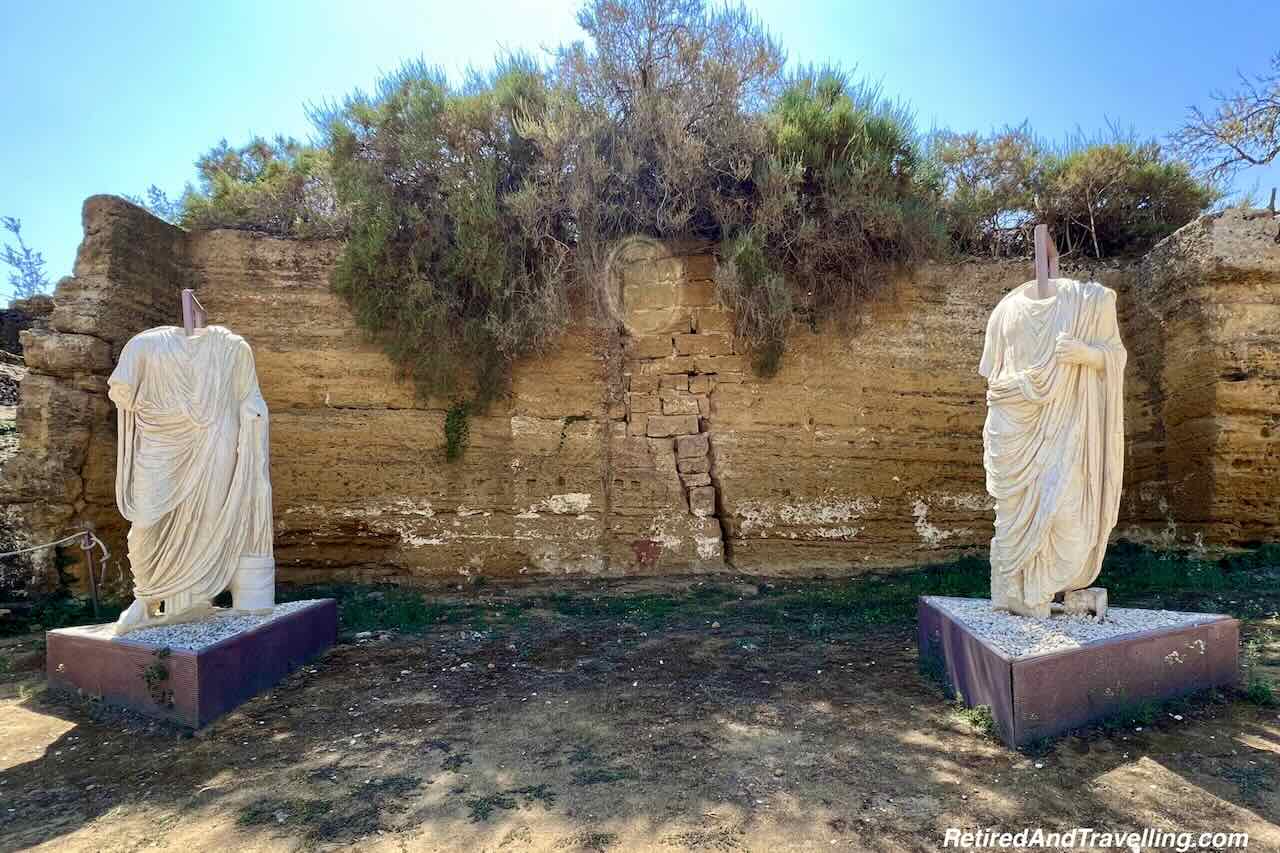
656,449
1206,303
23,314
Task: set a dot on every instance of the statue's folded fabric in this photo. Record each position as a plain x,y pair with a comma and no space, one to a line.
192,472
1054,439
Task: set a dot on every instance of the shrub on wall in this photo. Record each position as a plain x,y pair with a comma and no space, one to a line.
1099,198
445,259
476,214
279,186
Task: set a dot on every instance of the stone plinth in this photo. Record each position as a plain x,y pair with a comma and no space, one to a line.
1035,693
151,672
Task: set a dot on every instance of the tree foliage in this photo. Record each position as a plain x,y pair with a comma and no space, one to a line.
445,261
278,186
28,276
475,214
157,202
1099,197
1242,130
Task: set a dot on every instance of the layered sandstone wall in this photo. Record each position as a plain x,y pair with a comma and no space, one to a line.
655,449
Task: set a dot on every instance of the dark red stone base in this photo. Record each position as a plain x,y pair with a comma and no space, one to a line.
1042,695
191,688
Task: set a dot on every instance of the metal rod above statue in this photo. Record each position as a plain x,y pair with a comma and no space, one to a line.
193,314
1046,261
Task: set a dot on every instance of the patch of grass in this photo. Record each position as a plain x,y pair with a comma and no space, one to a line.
270,811
603,775
1243,585
1261,691
581,754
454,761
979,718
482,808
457,430
1258,689
156,675
592,841
383,607
1252,781
59,611
828,608
396,785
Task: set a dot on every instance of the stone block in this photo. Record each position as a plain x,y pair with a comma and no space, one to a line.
644,403
693,446
1085,602
663,426
63,354
675,382
651,346
1038,695
674,319
694,464
702,383
704,405
692,480
638,425
702,501
721,364
697,294
712,320
676,403
710,344
700,266
203,684
642,382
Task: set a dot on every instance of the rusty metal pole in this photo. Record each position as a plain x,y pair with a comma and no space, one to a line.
86,545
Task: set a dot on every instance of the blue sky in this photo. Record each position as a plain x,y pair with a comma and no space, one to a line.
112,97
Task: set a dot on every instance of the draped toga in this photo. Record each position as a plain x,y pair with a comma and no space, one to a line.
1053,441
191,464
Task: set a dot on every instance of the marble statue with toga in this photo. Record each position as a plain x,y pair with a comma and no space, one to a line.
1053,440
192,474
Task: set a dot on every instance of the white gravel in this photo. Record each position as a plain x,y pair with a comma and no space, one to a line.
1021,636
206,632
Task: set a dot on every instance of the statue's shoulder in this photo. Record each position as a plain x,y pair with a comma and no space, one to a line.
229,338
149,338
1095,290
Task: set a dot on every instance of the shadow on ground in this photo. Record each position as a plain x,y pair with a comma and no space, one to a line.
682,715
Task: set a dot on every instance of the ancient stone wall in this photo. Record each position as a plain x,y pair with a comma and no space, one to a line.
128,273
655,449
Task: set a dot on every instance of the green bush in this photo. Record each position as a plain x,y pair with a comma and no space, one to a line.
841,195
280,187
442,262
989,186
476,215
1118,198
1099,198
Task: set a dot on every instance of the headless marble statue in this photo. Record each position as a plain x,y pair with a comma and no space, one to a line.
192,474
1054,439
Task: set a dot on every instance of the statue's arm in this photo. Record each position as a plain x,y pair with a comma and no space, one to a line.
1072,351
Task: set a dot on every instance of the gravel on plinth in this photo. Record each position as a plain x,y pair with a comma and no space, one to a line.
214,629
1023,636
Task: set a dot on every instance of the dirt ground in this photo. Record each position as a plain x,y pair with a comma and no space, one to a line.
681,716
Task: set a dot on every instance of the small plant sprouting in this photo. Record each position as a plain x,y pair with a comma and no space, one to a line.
156,674
457,429
979,718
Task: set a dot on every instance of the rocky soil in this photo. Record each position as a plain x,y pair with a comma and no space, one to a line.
690,717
